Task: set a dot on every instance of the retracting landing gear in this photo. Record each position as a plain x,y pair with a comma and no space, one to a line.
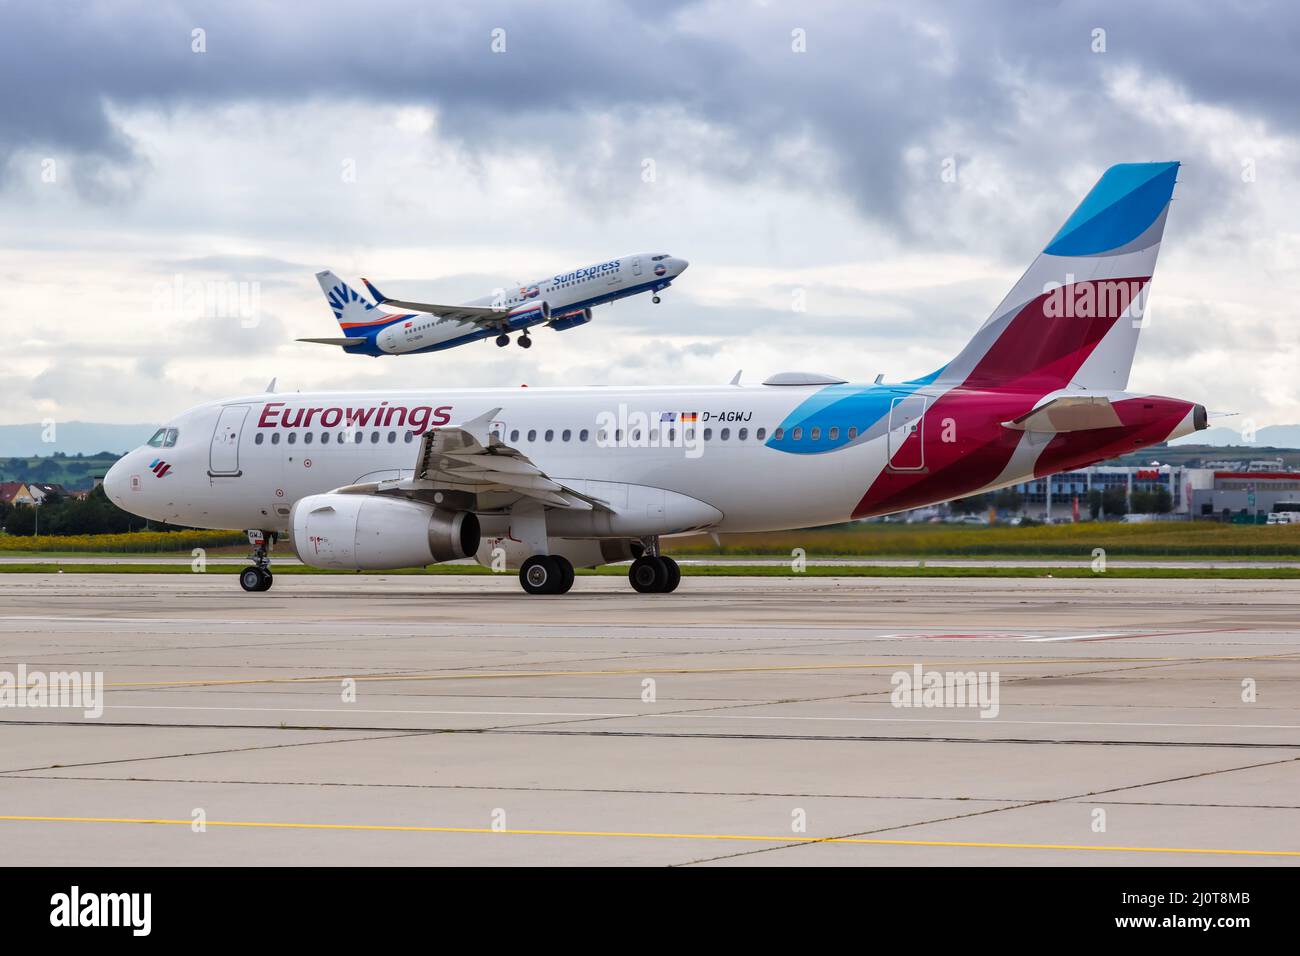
525,341
502,340
258,577
652,573
546,574
655,299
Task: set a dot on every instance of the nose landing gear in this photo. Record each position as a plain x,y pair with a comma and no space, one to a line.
258,577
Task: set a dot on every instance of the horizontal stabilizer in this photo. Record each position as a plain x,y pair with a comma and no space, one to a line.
1071,413
479,315
337,341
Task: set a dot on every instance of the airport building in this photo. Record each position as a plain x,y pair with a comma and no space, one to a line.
1218,490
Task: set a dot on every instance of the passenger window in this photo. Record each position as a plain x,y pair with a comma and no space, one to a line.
582,435
257,439
532,434
157,440
324,438
409,436
275,438
853,432
779,434
672,435
374,438
293,438
636,434
550,433
708,434
358,437
307,437
797,434
725,434
565,435
835,433
816,434
514,434
392,438
618,436
742,434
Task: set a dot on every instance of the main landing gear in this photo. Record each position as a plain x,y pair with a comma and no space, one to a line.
652,574
503,340
525,342
546,574
258,577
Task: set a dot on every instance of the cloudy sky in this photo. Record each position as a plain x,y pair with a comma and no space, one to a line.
790,150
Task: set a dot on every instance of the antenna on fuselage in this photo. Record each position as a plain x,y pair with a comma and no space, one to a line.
880,378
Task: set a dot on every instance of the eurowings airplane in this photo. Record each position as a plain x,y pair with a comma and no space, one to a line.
559,302
549,479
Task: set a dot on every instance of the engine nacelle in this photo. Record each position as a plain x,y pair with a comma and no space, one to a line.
570,320
530,313
376,532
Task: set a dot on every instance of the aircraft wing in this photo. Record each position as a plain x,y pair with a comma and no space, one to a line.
471,460
334,341
478,315
1069,413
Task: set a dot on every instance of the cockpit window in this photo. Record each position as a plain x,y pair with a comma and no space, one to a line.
657,258
158,438
170,440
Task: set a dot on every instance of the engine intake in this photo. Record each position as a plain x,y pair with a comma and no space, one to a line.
374,532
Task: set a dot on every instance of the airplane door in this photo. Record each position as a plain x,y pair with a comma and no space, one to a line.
907,433
223,458
636,266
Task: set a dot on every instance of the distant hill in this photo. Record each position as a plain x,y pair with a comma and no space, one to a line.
71,438
1274,436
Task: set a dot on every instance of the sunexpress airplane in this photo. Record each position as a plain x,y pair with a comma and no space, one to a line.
548,479
559,302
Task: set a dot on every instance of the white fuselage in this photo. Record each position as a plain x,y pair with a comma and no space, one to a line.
242,463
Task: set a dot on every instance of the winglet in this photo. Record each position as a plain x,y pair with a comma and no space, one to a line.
479,428
270,388
380,298
736,379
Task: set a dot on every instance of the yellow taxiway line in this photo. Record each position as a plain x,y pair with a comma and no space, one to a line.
740,837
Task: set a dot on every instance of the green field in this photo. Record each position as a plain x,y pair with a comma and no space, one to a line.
1159,539
693,571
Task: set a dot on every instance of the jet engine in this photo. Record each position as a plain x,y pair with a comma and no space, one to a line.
569,320
375,532
530,313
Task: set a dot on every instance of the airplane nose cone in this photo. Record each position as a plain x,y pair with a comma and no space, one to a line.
681,265
116,483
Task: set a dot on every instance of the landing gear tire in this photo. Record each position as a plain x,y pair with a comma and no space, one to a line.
503,340
543,574
655,299
525,342
648,575
567,573
255,579
673,577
